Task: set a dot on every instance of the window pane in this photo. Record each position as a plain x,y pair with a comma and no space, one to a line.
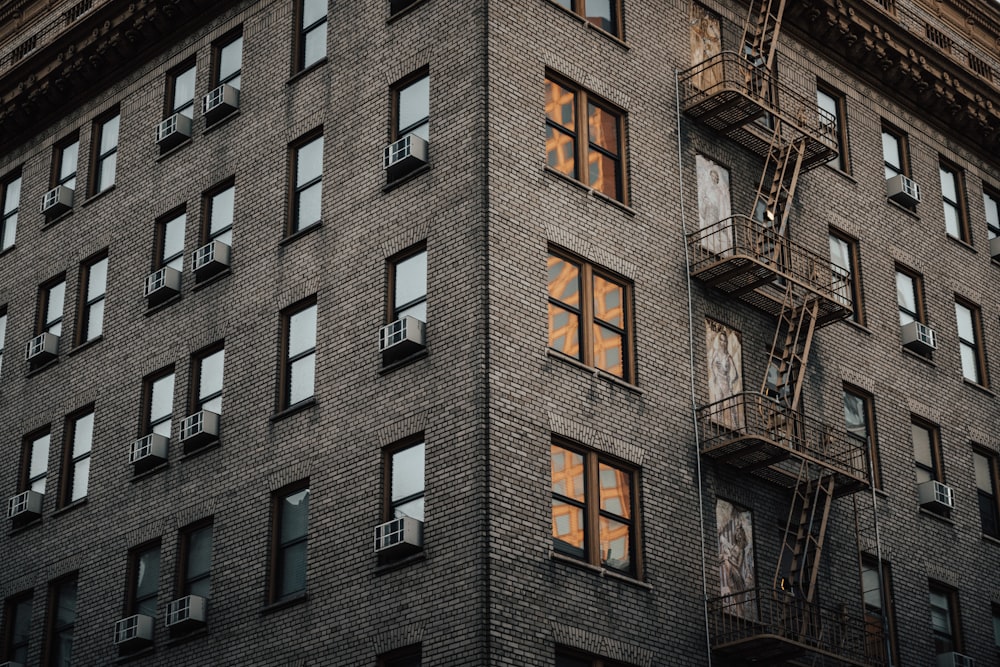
616,551
608,301
414,508
599,13
162,398
293,569
13,195
294,515
964,318
310,206
83,434
905,297
211,373
855,416
173,236
302,379
199,552
408,472
97,278
940,613
302,331
312,11
67,164
984,478
948,190
603,128
890,153
951,220
567,473
222,211
922,446
109,135
560,105
567,528
315,48
22,621
564,281
184,89
615,491
870,586
414,103
147,573
39,457
609,350
411,279
231,60
970,365
418,311
992,211
81,474
603,174
54,305
560,151
564,331
310,161
66,604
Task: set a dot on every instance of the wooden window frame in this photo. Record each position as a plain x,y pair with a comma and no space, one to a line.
951,594
407,656
170,105
395,132
854,256
52,628
69,461
98,158
587,271
294,225
197,401
581,135
287,360
146,423
579,7
936,470
989,498
9,214
903,143
58,156
185,581
392,311
868,401
42,323
86,302
388,506
843,161
960,206
592,513
160,258
132,599
217,48
278,549
10,617
302,35
976,345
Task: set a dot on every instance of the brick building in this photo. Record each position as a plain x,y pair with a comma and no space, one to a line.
335,335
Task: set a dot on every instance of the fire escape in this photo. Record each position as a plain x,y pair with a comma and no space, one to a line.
765,434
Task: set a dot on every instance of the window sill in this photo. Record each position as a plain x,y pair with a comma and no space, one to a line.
382,568
295,236
858,326
225,119
84,345
65,509
150,310
919,357
38,369
135,655
305,71
589,190
596,372
291,410
175,149
52,222
940,517
23,528
405,361
962,243
97,195
298,598
211,280
843,174
588,25
405,10
392,185
603,572
976,385
138,477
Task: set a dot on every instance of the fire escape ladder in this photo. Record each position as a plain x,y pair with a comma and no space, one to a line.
779,180
790,349
760,33
798,563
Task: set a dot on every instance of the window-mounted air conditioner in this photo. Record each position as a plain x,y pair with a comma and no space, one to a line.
57,201
220,102
199,429
399,537
953,659
935,496
186,613
26,505
134,631
148,451
43,347
902,190
173,131
403,156
210,259
161,285
401,338
918,337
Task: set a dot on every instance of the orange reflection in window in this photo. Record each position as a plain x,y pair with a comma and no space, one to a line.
560,139
568,520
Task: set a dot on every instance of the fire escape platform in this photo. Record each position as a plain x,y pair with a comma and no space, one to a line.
756,434
748,259
736,98
777,628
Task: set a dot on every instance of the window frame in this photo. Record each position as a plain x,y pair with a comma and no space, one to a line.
886,608
148,422
976,345
10,188
26,480
71,461
160,257
868,403
903,151
11,649
56,177
989,499
218,48
198,401
936,468
303,32
853,247
917,280
279,549
209,208
52,626
42,322
99,157
842,162
3,334
951,596
295,225
579,8
960,207
87,302
991,196
133,601
393,309
288,360
592,512
389,504
170,102
185,580
582,146
395,131
586,320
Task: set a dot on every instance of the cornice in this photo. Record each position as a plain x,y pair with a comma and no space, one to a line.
907,66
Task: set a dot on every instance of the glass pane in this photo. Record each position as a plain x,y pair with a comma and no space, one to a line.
608,302
599,13
567,473
310,204
855,416
609,350
616,550
231,60
616,491
984,479
906,296
964,318
302,331
418,311
564,281
201,587
564,331
294,516
107,174
97,278
293,569
567,528
95,320
840,252
66,604
922,445
603,127
302,379
414,103
109,135
184,88
408,472
54,304
560,151
83,434
67,164
924,475
222,211
411,279
211,373
199,553
81,474
970,365
315,46
312,11
891,153
39,457
414,508
870,586
989,203
603,172
3,330
22,621
951,220
560,106
948,189
162,398
13,195
9,232
310,162
173,236
147,573
162,428
940,613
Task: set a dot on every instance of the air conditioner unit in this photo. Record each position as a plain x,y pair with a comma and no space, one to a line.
954,660
399,537
995,247
57,201
148,451
902,190
918,337
220,102
134,631
27,505
401,338
403,156
935,496
173,131
210,259
162,285
199,429
43,347
186,613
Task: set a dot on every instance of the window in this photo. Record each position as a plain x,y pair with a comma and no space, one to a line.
105,153
170,241
11,192
411,106
844,261
207,380
3,332
298,372
61,619
895,153
311,46
76,457
50,307
594,509
180,91
987,467
158,403
880,621
219,216
64,164
290,534
833,103
404,470
589,315
228,58
991,202
601,13
956,221
143,580
944,619
926,450
859,408
307,198
570,658
408,285
35,463
196,561
970,327
93,282
588,150
405,657
17,628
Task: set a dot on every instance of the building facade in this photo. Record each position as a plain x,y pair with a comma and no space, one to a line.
489,333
